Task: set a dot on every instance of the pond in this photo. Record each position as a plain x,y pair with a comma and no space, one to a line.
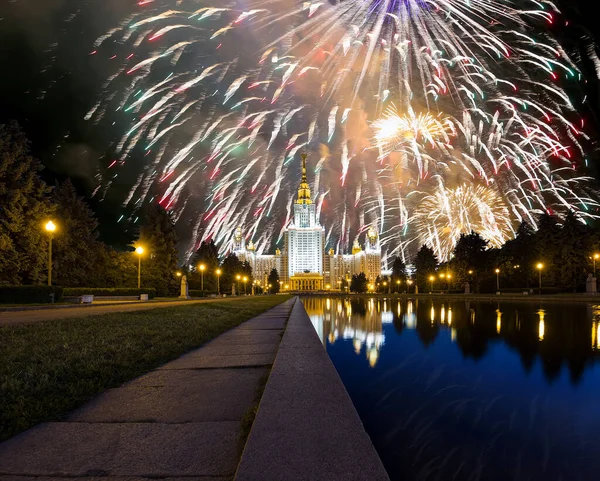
470,390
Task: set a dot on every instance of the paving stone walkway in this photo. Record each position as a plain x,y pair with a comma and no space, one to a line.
182,421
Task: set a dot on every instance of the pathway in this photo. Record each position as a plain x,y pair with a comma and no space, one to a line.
8,318
183,420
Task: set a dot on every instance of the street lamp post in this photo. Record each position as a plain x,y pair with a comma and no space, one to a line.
237,284
139,251
540,266
595,257
497,280
245,279
50,228
431,279
409,282
398,286
218,281
202,268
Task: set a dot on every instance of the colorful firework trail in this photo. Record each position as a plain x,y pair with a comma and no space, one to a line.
221,97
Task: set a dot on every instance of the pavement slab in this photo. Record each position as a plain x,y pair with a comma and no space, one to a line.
136,449
264,323
172,397
248,337
214,348
231,360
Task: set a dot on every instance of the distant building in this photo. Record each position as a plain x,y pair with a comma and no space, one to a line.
340,266
303,264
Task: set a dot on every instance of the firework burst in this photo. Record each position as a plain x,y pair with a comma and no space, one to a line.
219,99
443,216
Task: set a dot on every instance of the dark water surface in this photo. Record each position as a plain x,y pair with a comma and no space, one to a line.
464,390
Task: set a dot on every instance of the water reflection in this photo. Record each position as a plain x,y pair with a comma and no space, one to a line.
521,326
469,390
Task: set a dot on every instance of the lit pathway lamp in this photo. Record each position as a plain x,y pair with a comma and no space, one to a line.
202,268
245,279
218,281
139,251
540,267
384,286
431,279
398,286
409,282
497,280
50,228
595,257
237,284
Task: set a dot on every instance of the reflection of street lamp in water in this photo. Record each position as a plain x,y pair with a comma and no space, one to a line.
542,324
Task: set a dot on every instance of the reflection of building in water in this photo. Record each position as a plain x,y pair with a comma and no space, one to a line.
559,336
344,319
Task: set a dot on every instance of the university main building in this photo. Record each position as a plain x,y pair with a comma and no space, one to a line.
303,264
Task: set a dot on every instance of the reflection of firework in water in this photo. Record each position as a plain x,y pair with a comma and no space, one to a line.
443,216
220,97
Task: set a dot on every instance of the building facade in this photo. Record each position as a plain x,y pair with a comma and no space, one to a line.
303,264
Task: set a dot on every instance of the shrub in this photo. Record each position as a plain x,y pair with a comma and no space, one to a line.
29,294
108,292
199,293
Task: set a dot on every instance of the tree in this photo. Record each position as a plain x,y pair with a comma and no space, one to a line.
359,283
469,255
273,281
232,267
116,269
546,246
77,253
519,257
575,245
159,239
24,207
426,263
398,272
208,256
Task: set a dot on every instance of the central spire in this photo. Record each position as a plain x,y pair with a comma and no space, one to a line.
304,189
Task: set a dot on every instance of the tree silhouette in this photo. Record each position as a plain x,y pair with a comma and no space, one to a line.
159,240
425,264
359,283
24,207
273,281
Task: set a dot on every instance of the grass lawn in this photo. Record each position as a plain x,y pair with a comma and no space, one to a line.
48,369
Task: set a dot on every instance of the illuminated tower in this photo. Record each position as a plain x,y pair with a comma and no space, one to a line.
373,255
304,241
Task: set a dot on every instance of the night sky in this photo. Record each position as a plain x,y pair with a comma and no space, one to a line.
48,83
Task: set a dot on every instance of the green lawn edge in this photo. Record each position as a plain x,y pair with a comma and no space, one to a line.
49,369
